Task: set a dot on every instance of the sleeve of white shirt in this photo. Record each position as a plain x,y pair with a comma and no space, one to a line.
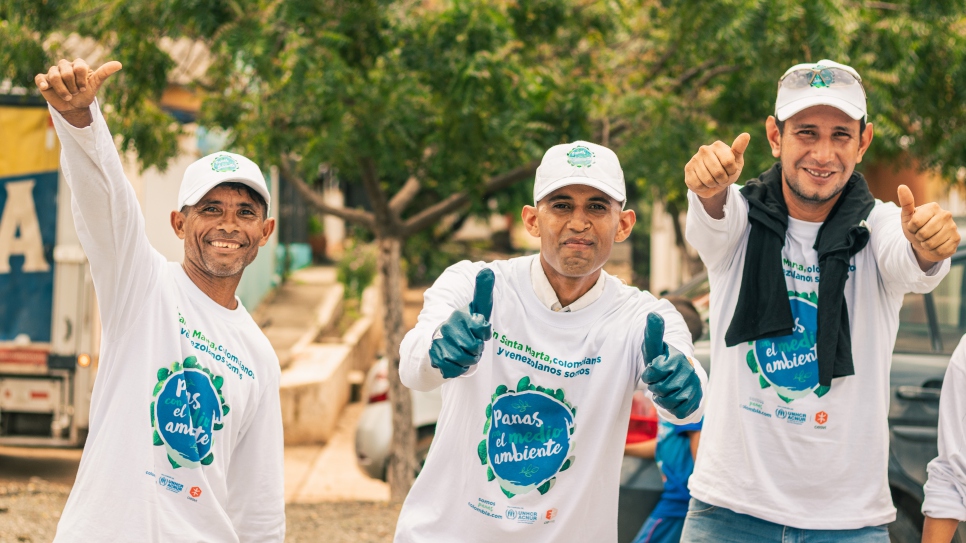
945,488
108,219
894,255
716,240
677,335
256,475
452,290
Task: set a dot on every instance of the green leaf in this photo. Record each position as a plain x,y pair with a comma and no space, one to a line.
152,414
218,381
574,410
175,367
489,474
225,409
524,383
786,400
822,390
191,362
486,427
752,362
489,410
545,487
569,462
157,438
173,463
218,426
559,394
163,374
507,493
157,388
208,459
501,390
481,451
763,382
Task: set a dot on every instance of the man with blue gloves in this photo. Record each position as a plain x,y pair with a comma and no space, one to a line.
538,358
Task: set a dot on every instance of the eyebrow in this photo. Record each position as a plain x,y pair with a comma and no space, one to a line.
837,127
595,199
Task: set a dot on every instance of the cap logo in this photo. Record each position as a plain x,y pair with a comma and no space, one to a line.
224,163
580,157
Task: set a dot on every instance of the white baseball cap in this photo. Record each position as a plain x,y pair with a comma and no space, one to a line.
208,172
824,83
579,163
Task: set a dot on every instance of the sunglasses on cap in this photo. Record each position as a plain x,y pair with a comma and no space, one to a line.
799,77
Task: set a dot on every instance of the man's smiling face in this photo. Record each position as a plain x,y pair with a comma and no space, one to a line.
819,148
222,232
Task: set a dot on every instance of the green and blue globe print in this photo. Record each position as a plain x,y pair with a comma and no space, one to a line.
187,410
528,441
789,363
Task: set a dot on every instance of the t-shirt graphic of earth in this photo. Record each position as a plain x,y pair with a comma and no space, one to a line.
790,363
188,408
528,437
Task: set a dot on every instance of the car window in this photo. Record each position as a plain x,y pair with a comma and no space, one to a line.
943,307
913,336
950,314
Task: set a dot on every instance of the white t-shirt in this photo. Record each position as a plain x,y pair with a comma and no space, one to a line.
774,444
512,462
946,487
185,440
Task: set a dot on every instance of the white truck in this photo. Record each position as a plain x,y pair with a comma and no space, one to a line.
49,327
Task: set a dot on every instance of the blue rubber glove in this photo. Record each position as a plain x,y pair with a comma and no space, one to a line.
458,342
669,375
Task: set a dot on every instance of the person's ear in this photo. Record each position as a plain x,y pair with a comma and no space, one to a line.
178,223
774,136
529,215
865,139
626,225
267,228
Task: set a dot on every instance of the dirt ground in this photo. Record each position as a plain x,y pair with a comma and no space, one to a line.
29,512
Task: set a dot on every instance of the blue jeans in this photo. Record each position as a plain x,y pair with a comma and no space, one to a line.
710,524
660,530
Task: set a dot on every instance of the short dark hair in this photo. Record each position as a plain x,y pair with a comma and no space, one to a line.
252,193
781,126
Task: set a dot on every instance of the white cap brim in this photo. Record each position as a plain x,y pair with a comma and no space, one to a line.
200,191
579,180
791,108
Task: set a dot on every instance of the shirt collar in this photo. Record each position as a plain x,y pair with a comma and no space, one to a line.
547,296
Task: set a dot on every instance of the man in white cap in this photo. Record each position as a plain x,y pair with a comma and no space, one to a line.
795,443
185,438
538,358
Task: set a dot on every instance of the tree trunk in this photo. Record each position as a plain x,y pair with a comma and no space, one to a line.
402,460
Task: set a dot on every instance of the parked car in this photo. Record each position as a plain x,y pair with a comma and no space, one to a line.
930,328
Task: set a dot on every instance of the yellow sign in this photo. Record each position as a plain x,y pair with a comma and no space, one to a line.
28,143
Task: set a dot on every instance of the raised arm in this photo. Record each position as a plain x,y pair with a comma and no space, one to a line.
106,212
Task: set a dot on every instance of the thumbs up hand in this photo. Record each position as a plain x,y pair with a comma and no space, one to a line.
458,342
669,375
929,228
714,167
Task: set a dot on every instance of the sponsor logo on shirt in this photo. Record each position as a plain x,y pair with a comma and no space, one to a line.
527,439
187,410
550,514
520,515
821,418
170,484
484,507
195,492
789,415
